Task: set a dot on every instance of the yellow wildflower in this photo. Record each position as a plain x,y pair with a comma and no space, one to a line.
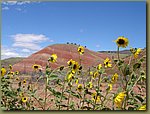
17,72
70,62
110,87
143,107
99,66
10,67
90,85
53,58
137,52
95,97
107,62
114,78
36,67
77,81
24,82
70,76
95,74
81,50
75,67
122,42
24,99
79,87
119,99
3,71
91,73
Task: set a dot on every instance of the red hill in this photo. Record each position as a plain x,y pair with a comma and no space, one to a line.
65,52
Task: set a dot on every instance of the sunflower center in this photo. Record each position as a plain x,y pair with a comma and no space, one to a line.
80,49
24,98
121,41
35,67
106,63
74,66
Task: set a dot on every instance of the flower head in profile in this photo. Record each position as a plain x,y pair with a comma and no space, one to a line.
95,74
81,50
143,107
24,99
99,66
53,58
122,41
36,67
135,51
107,63
119,99
70,76
3,71
110,87
138,51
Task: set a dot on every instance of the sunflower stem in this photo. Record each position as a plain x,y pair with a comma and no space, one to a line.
118,53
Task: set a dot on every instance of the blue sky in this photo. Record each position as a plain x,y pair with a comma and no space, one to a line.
30,26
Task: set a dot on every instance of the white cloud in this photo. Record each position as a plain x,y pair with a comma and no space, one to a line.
8,52
13,2
29,41
31,46
26,50
5,8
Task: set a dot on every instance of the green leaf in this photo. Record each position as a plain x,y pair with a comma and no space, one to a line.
53,77
136,66
131,108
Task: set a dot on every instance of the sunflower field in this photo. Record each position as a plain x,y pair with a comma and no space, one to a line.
71,87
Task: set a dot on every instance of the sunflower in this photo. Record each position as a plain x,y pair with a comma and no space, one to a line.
77,81
24,99
122,42
90,85
110,87
107,62
3,71
61,68
70,76
91,73
79,87
95,74
143,107
81,50
17,72
24,82
95,97
53,58
114,78
137,52
99,66
70,62
17,79
10,67
75,67
36,67
119,99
